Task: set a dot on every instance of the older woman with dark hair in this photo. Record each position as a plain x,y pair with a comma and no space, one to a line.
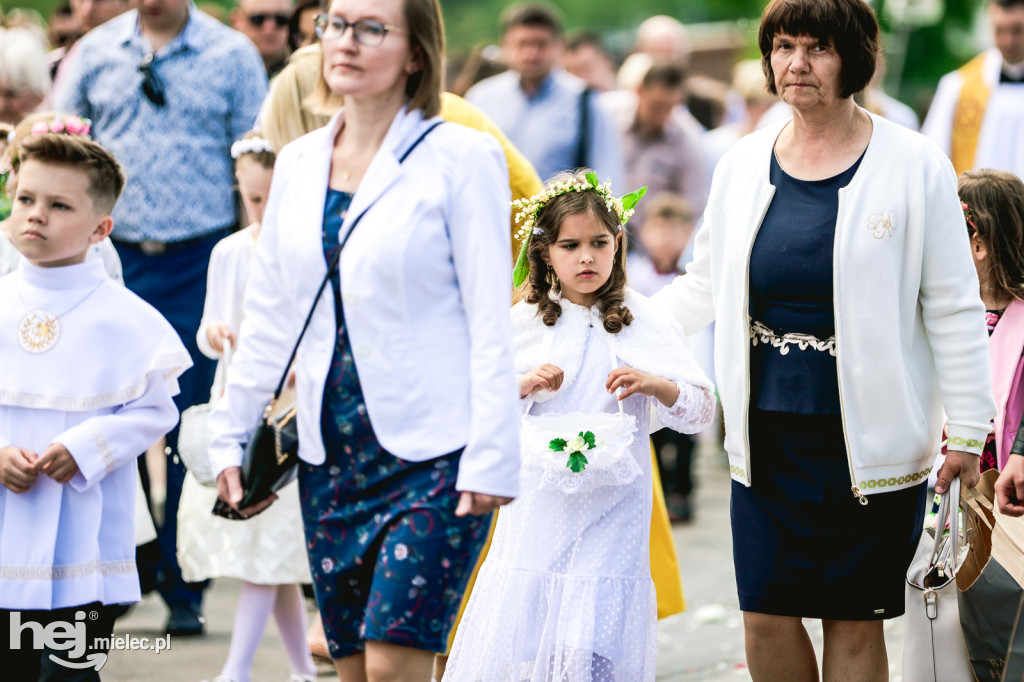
406,393
834,262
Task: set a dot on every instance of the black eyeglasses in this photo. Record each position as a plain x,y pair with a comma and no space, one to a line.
152,87
366,32
257,20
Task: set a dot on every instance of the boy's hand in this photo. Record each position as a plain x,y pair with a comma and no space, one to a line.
545,377
17,468
57,463
217,333
634,381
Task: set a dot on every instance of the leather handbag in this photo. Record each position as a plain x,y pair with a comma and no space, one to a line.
934,649
991,583
272,453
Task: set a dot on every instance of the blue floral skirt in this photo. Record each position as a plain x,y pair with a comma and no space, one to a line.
389,558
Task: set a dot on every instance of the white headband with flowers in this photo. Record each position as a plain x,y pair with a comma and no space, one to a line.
527,210
252,145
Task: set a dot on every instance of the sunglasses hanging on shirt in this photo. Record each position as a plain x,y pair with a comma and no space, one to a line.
152,86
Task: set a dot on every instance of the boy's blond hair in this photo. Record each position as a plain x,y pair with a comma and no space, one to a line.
106,177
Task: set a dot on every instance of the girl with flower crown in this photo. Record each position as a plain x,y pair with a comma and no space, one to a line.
265,552
598,367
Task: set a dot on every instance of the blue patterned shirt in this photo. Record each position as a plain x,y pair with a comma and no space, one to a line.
177,157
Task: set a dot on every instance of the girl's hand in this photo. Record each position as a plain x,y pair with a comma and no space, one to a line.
17,468
546,377
479,503
229,489
634,381
218,333
57,463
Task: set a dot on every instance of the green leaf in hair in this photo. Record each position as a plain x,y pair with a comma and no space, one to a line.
522,269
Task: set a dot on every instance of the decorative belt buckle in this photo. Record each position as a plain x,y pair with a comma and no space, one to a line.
152,248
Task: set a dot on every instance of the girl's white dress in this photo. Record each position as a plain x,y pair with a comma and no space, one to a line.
565,593
267,549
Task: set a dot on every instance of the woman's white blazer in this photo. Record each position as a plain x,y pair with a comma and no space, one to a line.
425,280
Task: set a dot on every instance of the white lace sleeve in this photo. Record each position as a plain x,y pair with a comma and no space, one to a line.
692,412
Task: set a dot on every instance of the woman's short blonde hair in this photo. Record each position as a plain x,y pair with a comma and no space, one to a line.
426,38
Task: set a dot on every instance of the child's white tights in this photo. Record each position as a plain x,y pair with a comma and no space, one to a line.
255,604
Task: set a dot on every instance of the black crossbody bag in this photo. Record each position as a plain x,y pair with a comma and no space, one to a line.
272,454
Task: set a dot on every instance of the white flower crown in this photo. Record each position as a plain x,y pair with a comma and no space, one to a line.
252,145
527,210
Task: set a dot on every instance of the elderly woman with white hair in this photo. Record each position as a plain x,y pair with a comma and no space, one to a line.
24,80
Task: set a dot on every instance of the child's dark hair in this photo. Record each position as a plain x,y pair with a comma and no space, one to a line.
543,280
995,211
106,177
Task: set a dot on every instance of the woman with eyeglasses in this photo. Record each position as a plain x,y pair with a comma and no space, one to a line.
406,390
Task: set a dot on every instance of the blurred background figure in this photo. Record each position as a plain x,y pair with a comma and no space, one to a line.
89,14
63,27
549,114
748,82
481,63
977,110
664,38
659,152
302,24
586,58
265,23
24,79
877,101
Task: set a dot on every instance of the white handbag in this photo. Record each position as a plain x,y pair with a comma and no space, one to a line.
194,437
580,451
934,649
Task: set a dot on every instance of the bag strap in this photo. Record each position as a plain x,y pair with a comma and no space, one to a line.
583,132
334,265
949,508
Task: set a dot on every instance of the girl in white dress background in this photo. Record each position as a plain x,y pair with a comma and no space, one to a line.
566,592
266,551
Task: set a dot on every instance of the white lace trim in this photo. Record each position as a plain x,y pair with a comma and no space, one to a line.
171,364
609,463
100,441
693,410
66,572
759,332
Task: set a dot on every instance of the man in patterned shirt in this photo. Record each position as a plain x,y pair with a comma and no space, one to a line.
168,89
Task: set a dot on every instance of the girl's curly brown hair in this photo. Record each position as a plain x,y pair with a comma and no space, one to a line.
543,281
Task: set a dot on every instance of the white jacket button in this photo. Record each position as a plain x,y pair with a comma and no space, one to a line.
363,350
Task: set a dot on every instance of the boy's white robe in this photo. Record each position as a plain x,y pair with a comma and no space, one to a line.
104,391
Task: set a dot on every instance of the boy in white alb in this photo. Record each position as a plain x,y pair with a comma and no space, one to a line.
87,372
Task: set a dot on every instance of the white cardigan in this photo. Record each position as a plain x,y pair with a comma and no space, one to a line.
910,324
424,280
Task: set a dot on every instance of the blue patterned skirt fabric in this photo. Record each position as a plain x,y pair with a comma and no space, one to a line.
389,558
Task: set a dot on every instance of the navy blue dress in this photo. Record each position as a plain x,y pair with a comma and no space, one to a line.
389,558
802,544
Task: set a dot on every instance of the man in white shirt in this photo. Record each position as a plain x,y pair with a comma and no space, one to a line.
548,114
977,111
